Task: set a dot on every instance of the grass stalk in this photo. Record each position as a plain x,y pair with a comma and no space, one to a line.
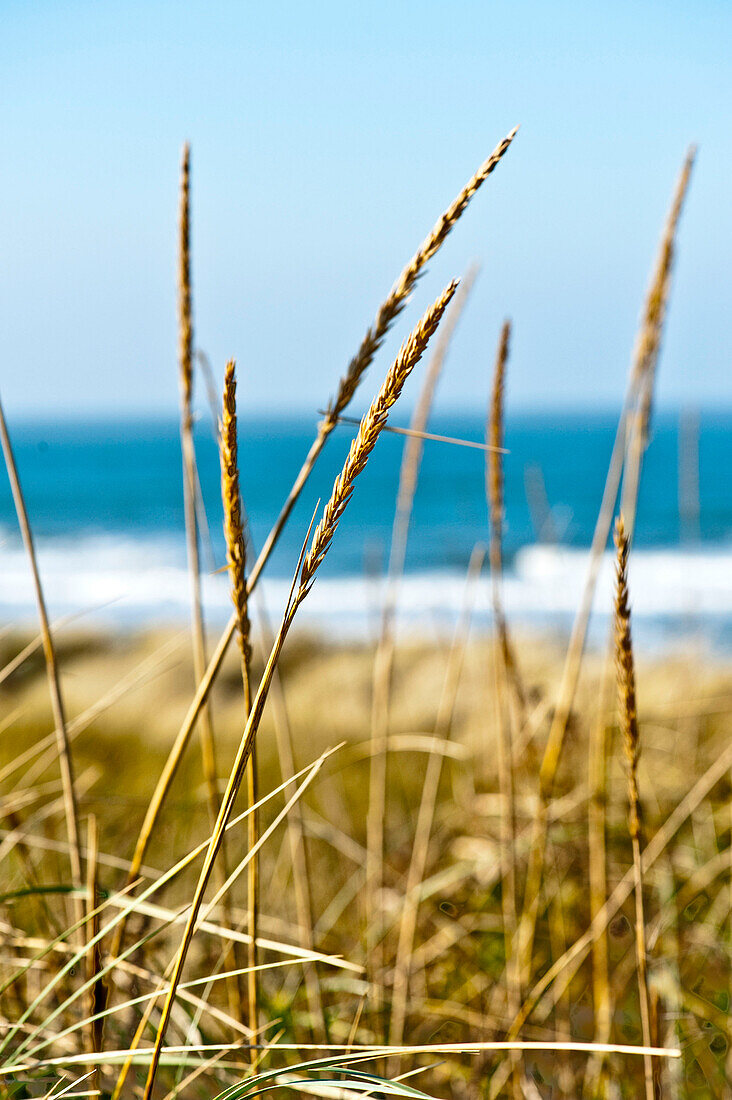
597,874
387,313
494,486
54,683
631,740
295,834
645,365
190,476
505,673
97,991
191,496
236,557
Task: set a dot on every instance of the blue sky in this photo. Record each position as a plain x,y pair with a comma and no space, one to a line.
326,139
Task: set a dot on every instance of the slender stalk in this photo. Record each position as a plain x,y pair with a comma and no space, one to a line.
384,657
471,444
631,740
294,821
190,477
409,354
597,873
191,494
97,992
637,398
236,557
54,684
494,475
647,351
389,310
295,834
505,672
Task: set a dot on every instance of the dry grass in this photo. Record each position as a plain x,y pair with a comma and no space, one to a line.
631,744
625,462
459,929
389,310
190,472
395,302
511,712
66,766
310,561
236,557
409,887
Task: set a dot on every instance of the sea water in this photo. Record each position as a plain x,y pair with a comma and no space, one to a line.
106,506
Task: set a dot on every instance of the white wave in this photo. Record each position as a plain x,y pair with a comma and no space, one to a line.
663,582
145,581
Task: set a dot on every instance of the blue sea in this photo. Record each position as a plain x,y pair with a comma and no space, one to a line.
106,507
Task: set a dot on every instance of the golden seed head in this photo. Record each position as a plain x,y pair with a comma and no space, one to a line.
400,292
371,425
626,671
233,526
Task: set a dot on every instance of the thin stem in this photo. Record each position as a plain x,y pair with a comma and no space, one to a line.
49,651
631,736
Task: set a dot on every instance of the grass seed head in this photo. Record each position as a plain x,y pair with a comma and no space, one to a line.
369,430
403,287
233,526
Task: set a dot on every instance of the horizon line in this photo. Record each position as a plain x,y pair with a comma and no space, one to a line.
300,412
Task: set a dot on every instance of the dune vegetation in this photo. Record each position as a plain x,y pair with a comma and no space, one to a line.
486,867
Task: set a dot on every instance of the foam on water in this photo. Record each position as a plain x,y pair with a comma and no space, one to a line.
144,581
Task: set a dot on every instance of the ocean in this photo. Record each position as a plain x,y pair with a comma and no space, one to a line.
105,503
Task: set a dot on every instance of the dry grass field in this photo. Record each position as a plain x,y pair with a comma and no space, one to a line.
481,867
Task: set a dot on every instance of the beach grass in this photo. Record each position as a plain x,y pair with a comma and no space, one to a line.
400,904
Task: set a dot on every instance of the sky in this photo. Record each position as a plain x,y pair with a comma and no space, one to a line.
326,140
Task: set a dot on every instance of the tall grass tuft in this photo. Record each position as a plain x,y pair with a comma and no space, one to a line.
373,421
449,953
389,310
